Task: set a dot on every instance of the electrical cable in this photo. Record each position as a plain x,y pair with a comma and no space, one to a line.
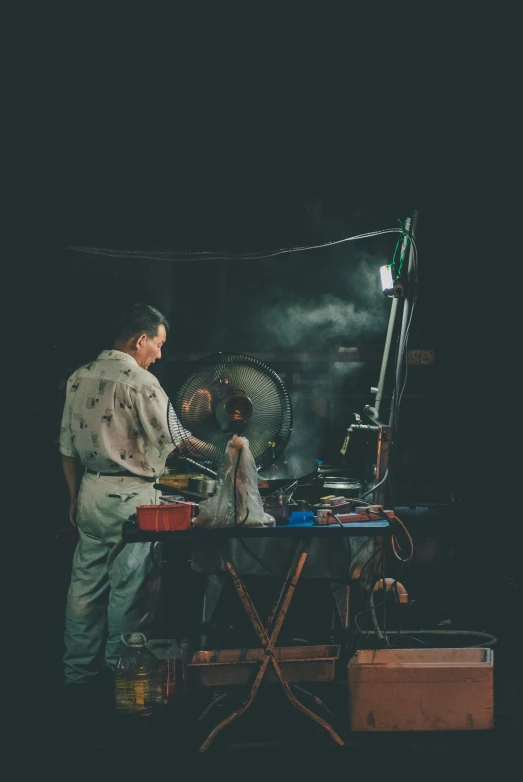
402,254
414,284
396,250
393,591
411,638
383,515
405,354
383,635
169,255
490,640
398,397
369,491
361,631
356,640
235,484
411,542
403,560
377,628
394,411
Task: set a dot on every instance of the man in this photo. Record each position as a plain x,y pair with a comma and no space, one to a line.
114,441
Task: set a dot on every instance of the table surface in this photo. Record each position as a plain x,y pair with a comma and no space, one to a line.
373,528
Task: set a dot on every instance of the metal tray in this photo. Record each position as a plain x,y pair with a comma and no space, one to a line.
223,667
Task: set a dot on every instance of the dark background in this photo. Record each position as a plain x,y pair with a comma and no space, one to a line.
313,303
449,454
300,312
191,149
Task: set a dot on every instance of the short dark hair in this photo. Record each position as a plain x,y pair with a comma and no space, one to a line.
140,319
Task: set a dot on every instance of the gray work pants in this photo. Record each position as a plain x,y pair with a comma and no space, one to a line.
114,585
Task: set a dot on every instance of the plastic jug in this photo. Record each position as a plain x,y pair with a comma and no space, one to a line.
138,682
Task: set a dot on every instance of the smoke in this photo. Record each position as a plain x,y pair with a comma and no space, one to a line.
306,440
305,443
313,418
332,321
332,306
312,319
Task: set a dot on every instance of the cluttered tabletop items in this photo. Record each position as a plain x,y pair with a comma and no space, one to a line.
283,511
316,494
183,493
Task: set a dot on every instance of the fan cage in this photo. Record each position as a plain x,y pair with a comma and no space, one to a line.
193,409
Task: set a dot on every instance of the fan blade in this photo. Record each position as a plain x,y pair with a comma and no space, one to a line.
202,398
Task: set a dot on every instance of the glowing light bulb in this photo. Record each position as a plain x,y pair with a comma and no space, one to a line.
387,284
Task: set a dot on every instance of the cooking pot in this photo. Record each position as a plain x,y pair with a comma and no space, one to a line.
200,484
338,483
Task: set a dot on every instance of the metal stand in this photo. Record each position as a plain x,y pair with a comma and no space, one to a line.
268,637
213,591
386,434
283,660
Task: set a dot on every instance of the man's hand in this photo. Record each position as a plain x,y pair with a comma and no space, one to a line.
72,511
72,478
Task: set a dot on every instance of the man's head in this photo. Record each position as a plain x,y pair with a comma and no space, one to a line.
141,332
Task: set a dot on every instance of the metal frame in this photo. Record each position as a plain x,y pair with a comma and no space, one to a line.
268,636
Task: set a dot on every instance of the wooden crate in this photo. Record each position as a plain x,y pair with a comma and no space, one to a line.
226,667
421,689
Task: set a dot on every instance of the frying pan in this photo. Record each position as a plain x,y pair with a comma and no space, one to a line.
276,478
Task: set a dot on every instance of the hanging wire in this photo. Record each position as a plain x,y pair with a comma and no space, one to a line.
199,255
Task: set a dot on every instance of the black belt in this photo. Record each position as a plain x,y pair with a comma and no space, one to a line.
123,472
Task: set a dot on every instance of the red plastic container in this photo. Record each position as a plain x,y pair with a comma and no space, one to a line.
162,518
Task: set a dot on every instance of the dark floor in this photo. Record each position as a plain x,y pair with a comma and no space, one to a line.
271,737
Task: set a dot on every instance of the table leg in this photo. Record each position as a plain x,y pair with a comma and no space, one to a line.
268,641
213,590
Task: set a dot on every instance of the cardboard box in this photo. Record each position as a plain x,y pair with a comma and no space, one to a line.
421,689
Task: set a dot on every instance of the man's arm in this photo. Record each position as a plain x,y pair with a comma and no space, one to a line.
72,479
152,405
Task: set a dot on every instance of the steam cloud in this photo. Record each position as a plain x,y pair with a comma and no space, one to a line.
314,320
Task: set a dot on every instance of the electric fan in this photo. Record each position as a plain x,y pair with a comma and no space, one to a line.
227,394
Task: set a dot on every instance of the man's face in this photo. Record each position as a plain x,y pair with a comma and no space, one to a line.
151,348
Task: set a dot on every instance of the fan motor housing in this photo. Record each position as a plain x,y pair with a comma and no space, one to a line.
234,411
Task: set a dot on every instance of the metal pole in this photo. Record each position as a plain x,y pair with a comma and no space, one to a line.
404,321
390,330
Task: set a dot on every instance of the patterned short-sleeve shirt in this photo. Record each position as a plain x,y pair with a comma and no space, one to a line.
115,417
